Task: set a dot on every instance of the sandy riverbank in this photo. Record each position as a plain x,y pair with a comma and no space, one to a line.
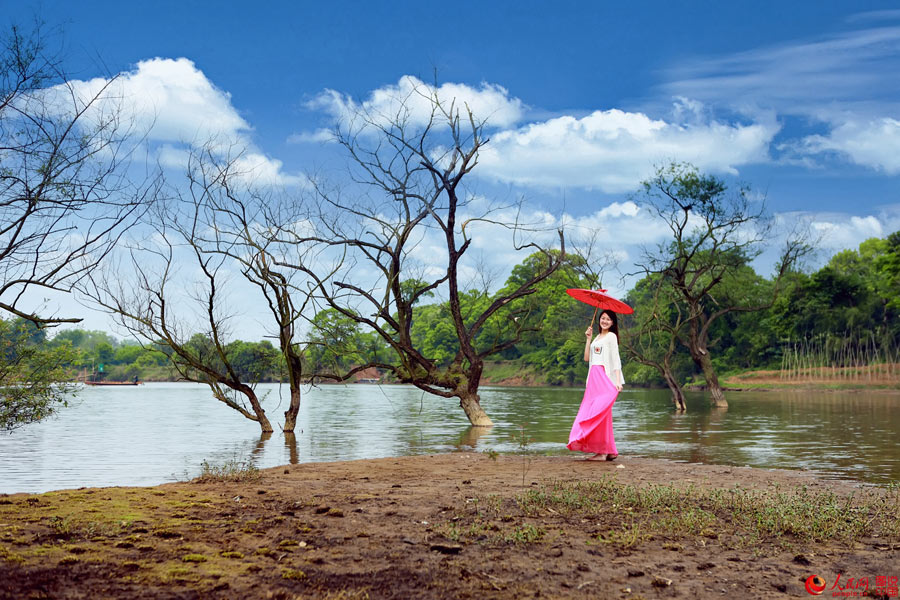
461,525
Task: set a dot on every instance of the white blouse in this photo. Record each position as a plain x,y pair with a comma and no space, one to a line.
605,352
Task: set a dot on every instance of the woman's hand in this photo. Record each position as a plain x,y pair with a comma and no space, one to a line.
618,387
589,332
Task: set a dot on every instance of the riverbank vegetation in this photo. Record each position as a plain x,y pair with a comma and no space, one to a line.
835,325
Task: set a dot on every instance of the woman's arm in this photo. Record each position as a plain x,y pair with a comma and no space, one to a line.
589,333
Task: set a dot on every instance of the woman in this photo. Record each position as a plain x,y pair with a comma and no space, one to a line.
592,430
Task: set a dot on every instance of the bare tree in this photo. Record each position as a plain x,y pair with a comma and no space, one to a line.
240,222
145,298
597,258
225,223
65,198
715,235
411,168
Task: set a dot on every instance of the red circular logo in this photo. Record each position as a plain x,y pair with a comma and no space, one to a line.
815,585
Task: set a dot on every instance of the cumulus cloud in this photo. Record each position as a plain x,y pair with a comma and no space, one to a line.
412,99
173,104
610,150
613,150
838,232
171,100
872,143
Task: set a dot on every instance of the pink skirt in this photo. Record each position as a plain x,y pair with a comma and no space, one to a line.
593,430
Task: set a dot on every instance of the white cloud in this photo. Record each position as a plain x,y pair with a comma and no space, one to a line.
873,143
619,225
411,98
838,81
611,150
170,100
798,77
172,103
830,232
258,168
838,232
614,150
317,136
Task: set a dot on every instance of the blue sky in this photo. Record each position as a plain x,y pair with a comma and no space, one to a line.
799,99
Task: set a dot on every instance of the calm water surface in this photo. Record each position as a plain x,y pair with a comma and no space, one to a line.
163,432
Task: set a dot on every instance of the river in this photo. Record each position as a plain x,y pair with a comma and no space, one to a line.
161,432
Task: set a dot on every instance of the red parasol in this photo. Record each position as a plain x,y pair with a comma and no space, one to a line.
600,299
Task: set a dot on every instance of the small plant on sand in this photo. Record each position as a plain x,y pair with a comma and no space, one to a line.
523,441
295,574
231,471
525,534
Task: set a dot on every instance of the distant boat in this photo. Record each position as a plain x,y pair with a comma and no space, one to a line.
112,383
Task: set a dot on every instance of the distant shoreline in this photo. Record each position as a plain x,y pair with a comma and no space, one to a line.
729,386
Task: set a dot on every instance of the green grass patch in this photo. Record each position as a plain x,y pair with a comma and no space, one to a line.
193,558
295,574
796,514
626,515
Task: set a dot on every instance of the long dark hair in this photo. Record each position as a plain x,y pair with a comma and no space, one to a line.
615,320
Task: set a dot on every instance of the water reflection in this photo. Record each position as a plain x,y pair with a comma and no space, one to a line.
469,438
290,442
147,435
258,448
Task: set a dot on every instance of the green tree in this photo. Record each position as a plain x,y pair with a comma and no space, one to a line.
715,235
254,361
888,267
104,353
34,376
652,336
550,322
334,343
127,355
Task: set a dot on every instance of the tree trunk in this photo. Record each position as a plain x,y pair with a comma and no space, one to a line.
258,414
712,381
294,375
261,417
677,393
290,415
666,369
472,406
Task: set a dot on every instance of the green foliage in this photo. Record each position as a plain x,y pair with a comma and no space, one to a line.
433,333
335,342
254,362
33,376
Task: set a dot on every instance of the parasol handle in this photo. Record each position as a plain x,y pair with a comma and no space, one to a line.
594,317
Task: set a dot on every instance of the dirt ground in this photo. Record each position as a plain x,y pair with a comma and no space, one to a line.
443,526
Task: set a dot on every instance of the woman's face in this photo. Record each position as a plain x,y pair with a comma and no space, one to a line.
605,322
